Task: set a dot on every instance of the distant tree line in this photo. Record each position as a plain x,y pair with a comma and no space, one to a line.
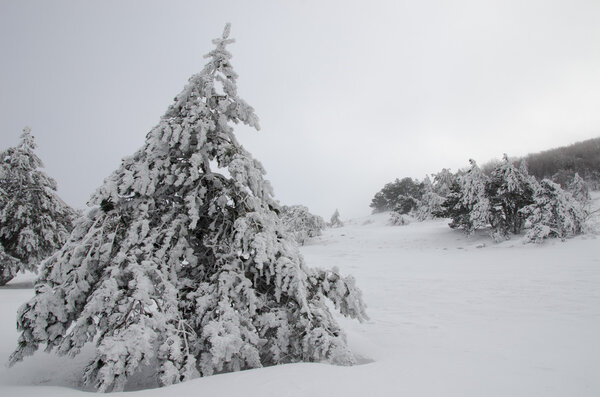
561,164
582,158
511,200
503,196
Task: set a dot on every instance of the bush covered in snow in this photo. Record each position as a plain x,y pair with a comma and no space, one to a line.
300,223
397,219
34,221
554,213
184,268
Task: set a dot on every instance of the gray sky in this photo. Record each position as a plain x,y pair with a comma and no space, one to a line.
350,94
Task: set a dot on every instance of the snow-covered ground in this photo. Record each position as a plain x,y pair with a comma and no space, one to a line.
450,316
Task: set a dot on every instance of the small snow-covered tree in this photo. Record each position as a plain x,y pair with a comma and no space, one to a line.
554,213
579,189
300,223
183,267
509,190
442,182
34,221
444,185
430,203
398,219
335,220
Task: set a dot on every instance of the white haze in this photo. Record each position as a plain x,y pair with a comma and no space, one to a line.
350,94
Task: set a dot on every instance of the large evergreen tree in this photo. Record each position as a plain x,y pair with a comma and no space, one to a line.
34,221
185,268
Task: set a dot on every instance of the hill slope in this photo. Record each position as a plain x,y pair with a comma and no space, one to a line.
581,157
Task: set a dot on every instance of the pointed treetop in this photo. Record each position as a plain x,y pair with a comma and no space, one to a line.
222,41
27,140
427,180
23,155
226,30
216,83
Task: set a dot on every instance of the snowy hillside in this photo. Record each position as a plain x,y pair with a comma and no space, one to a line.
450,316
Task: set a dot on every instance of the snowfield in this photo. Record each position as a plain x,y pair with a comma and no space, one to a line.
450,316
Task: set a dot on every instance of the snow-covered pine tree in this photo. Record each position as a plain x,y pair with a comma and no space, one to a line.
509,190
185,269
554,213
34,221
473,186
453,208
442,182
467,203
300,223
523,166
335,220
430,203
580,190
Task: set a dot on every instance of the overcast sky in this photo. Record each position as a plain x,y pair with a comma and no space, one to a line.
350,94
